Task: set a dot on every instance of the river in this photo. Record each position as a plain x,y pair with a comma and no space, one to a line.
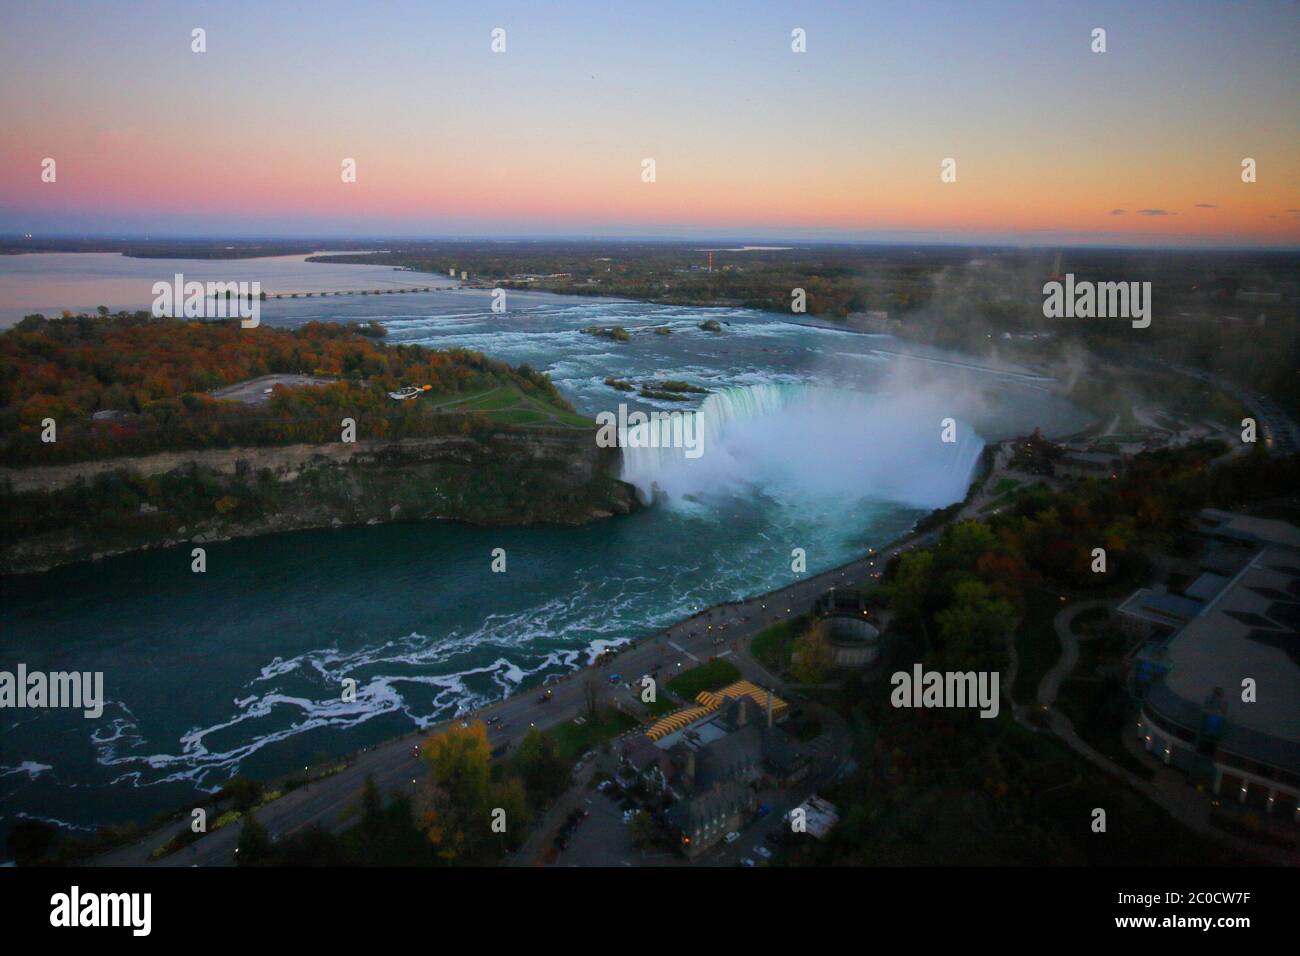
816,439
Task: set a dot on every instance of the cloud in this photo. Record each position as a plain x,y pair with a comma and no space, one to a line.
1206,205
1155,212
1117,212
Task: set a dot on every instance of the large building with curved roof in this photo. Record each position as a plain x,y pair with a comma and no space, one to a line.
1220,697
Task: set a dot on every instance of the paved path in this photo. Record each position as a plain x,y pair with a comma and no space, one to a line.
1168,788
1050,684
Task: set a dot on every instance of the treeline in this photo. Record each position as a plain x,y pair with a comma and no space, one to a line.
948,595
472,811
154,376
947,787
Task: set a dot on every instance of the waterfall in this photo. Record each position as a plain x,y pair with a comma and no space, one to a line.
802,440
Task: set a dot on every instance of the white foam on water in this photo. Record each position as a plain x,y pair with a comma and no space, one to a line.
800,443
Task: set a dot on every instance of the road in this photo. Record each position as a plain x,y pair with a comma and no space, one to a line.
713,632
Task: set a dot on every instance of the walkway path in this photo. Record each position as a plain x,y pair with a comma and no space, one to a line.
1167,788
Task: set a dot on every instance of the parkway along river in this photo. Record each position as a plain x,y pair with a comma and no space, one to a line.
814,438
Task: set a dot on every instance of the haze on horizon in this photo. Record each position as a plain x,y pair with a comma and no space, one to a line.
1054,144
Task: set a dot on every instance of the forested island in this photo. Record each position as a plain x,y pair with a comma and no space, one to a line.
126,431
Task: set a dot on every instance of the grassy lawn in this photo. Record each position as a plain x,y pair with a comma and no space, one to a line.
716,673
1036,645
509,406
772,647
576,739
663,704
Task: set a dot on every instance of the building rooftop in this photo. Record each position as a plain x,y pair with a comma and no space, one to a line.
667,729
819,816
1206,586
1257,531
1161,607
1248,630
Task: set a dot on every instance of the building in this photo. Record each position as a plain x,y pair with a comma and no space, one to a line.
1230,528
854,640
1149,612
819,816
710,758
1088,464
705,819
1219,696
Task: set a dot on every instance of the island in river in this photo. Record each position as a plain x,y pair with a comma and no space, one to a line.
123,432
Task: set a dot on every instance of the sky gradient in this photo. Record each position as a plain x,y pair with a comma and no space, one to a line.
750,139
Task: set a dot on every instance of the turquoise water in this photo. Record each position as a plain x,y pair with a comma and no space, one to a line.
818,439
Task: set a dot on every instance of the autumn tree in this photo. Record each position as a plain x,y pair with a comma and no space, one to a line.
812,658
452,811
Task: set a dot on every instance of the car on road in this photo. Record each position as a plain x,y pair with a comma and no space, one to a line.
732,837
615,678
763,851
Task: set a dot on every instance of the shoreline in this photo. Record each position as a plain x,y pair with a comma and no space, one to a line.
391,754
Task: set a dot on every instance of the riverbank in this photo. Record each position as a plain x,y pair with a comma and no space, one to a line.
716,631
93,510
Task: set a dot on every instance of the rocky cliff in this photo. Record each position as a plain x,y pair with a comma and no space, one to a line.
61,514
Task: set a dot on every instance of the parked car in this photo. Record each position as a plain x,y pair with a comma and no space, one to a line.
746,861
732,837
763,851
764,809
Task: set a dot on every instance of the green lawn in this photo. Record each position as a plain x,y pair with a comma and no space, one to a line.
1037,648
509,406
772,647
662,704
716,673
576,739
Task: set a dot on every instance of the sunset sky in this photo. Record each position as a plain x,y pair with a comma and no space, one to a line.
844,141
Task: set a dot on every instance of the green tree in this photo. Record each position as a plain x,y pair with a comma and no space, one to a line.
974,628
910,594
508,796
244,792
545,773
255,847
812,659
